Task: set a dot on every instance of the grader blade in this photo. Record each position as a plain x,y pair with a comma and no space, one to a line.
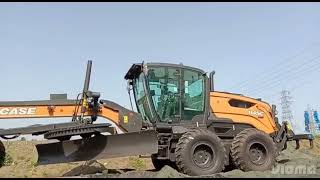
98,147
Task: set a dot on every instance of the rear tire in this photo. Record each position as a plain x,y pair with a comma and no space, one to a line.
2,154
200,152
253,150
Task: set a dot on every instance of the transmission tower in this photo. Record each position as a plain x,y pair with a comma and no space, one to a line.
286,101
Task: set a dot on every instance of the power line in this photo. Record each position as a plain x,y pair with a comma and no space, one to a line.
292,89
272,86
288,71
241,84
275,82
276,69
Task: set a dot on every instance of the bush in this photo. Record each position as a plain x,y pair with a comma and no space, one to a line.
6,160
137,163
33,164
23,139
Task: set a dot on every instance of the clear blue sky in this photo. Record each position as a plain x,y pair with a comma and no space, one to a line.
44,47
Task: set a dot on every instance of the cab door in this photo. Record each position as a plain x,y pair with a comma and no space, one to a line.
193,94
177,93
165,92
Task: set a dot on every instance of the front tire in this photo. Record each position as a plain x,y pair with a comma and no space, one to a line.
253,150
200,152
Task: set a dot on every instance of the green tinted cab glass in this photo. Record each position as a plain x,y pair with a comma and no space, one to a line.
177,94
142,102
193,94
164,91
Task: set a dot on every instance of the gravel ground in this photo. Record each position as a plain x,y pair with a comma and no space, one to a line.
304,162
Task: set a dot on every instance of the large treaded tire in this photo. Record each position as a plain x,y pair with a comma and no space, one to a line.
196,144
2,154
253,150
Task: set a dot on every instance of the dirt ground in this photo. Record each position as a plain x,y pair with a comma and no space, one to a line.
22,157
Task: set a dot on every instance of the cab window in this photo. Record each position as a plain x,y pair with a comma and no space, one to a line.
193,99
164,91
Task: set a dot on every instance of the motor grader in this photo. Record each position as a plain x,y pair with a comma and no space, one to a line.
181,121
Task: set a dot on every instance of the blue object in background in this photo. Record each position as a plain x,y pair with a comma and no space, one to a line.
316,119
307,121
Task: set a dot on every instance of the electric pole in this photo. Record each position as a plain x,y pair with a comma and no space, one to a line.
286,101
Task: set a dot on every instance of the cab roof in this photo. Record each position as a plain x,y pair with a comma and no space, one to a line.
136,68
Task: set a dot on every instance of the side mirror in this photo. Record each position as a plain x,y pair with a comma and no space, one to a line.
129,83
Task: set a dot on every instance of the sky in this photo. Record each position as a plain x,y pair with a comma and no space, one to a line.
256,49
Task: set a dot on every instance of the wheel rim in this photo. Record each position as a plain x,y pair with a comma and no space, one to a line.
203,155
258,153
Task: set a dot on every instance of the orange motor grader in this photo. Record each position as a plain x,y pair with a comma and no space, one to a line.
181,120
